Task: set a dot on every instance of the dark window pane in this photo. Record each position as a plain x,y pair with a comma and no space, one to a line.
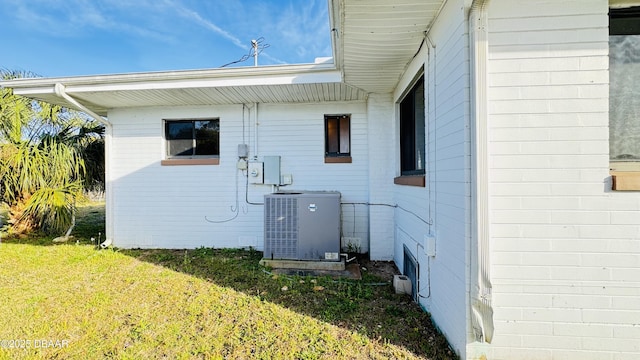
407,140
179,130
208,146
419,126
207,137
624,21
412,137
333,145
206,127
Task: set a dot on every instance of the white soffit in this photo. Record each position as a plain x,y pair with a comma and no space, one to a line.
269,84
377,38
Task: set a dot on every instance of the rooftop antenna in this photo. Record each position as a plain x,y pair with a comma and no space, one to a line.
257,46
254,45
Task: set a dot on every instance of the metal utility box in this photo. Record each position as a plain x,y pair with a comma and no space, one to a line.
272,170
302,225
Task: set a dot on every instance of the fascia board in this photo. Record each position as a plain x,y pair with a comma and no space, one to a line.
266,75
285,79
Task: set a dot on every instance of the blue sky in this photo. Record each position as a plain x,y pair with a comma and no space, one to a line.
86,37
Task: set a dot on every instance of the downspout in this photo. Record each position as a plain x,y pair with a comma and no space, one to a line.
480,270
60,90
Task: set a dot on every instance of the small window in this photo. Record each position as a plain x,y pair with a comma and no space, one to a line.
337,140
192,139
412,140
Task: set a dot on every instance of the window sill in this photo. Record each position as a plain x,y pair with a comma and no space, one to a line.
625,180
337,159
410,180
178,162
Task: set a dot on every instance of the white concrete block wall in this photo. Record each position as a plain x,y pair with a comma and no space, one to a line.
296,133
443,202
565,249
168,206
382,167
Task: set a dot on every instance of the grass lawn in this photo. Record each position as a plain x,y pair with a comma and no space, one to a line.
74,301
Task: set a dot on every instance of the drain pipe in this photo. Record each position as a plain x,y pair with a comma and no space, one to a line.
60,90
480,279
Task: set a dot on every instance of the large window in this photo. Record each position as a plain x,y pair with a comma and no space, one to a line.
337,139
192,139
412,140
624,88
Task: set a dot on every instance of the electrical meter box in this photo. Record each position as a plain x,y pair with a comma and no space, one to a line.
255,172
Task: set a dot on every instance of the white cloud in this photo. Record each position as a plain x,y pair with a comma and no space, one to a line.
306,29
208,24
73,18
296,30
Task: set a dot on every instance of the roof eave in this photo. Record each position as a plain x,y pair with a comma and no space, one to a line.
263,75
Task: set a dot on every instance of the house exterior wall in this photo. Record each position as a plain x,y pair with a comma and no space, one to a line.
565,249
159,206
380,109
441,208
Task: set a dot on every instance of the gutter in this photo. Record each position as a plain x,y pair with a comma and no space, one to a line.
178,75
480,288
60,90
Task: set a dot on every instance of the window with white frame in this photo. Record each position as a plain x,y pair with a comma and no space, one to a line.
192,138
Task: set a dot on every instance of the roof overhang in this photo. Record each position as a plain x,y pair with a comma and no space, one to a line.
373,43
375,40
266,84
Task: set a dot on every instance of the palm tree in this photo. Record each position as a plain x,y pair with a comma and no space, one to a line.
44,153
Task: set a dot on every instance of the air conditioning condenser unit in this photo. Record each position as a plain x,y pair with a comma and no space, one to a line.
302,225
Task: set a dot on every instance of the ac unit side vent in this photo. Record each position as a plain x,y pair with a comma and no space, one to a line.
281,228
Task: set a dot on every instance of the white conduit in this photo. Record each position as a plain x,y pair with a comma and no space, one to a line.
480,287
255,114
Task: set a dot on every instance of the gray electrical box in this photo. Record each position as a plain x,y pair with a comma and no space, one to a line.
302,225
272,170
243,150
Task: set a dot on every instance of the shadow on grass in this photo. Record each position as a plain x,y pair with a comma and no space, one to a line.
368,306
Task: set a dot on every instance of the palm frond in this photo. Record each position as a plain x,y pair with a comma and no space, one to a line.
52,209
